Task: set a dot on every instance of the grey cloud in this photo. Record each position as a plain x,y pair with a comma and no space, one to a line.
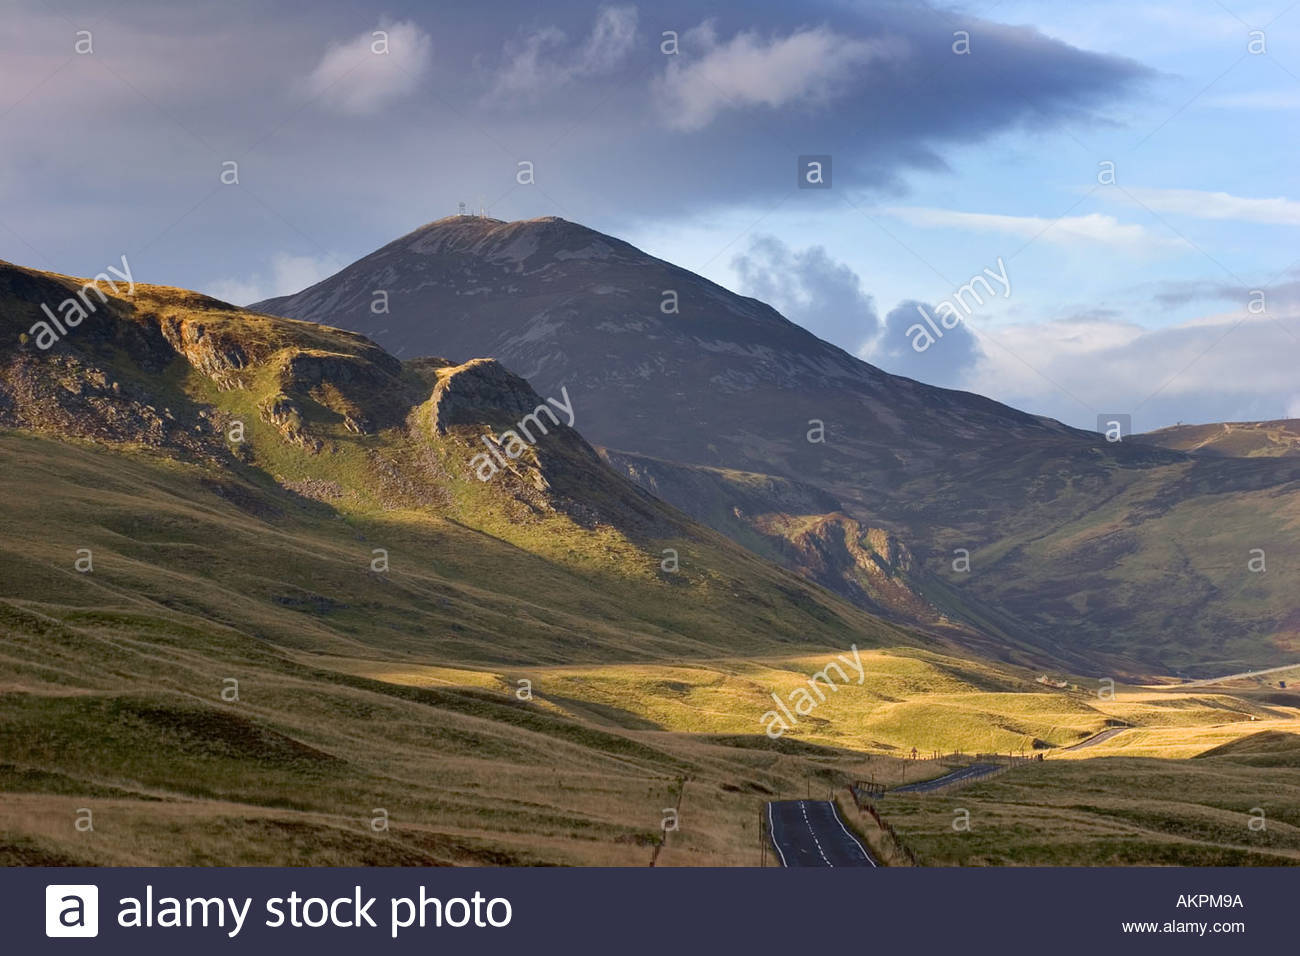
1277,295
809,288
806,67
946,362
1175,294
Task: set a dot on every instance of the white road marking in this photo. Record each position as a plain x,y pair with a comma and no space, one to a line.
803,805
850,835
771,831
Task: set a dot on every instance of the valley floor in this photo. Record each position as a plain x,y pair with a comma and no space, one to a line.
385,762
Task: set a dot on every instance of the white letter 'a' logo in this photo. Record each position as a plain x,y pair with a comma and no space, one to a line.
71,910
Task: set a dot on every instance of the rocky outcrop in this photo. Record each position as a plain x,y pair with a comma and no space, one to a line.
282,412
63,393
307,368
218,355
870,566
113,376
481,392
795,524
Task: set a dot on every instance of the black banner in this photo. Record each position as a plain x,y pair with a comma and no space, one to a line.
194,911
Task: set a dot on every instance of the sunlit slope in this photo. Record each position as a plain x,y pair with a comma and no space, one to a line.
124,715
898,699
272,428
1231,439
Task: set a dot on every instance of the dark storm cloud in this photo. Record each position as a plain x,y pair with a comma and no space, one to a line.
340,150
878,87
810,288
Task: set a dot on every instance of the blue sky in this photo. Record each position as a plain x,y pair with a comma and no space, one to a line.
1170,293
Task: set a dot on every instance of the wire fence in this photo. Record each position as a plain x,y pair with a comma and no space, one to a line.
978,768
899,850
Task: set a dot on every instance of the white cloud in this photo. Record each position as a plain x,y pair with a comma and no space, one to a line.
1094,227
360,77
1215,368
808,66
288,274
531,68
1208,205
611,39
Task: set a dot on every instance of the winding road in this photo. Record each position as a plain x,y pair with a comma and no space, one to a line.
1094,739
973,772
1206,682
811,833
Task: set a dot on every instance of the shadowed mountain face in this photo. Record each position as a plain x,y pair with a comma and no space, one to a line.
659,361
1132,555
800,527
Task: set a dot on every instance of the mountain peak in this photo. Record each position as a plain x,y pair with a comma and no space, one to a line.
497,243
487,224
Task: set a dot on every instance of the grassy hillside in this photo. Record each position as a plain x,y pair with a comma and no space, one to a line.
256,607
336,436
197,502
1233,806
1132,570
111,681
907,698
360,690
1231,439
